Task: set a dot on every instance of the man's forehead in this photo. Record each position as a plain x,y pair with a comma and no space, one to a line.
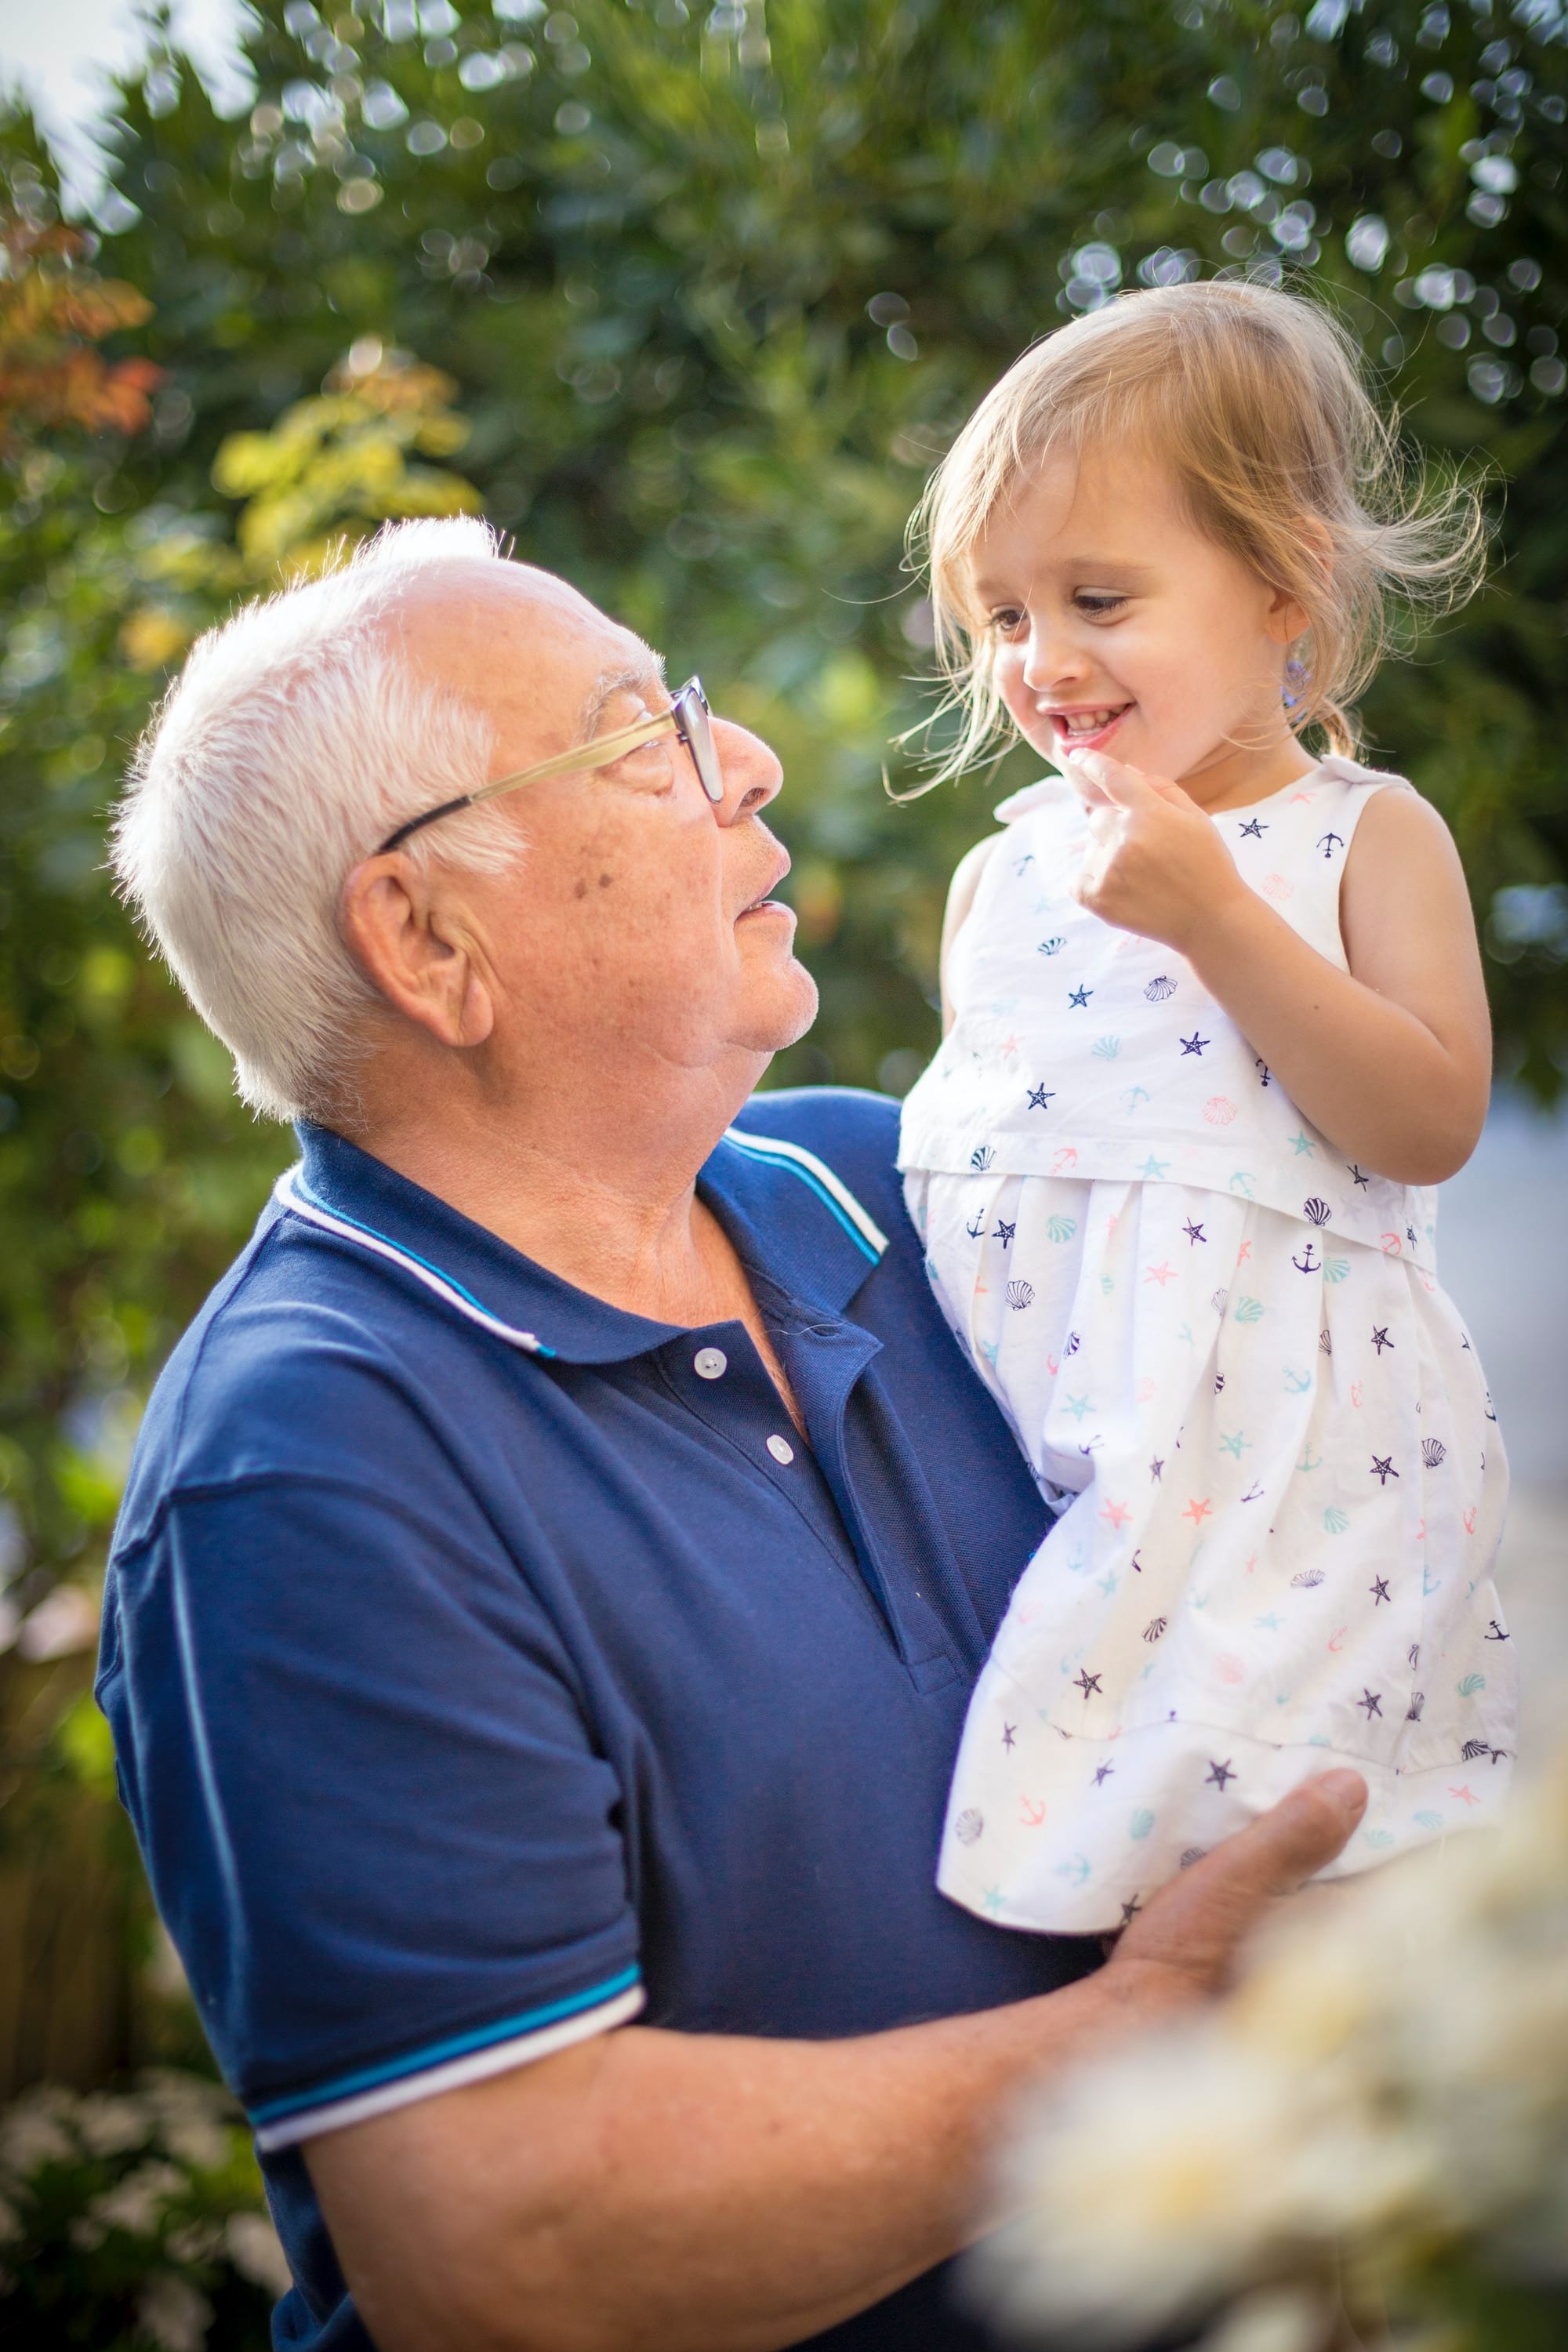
554,633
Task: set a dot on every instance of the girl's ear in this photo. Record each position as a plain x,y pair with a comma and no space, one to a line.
1288,617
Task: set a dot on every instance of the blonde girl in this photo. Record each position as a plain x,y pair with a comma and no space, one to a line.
1214,1027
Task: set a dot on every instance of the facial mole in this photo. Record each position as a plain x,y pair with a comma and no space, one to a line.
604,881
580,890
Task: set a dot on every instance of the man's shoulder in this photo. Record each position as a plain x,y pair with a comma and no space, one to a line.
278,1374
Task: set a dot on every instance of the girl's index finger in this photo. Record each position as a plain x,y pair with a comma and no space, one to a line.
1111,780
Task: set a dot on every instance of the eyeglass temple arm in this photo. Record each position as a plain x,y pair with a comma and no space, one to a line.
600,753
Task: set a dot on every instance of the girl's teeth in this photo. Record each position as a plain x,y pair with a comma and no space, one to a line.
1089,722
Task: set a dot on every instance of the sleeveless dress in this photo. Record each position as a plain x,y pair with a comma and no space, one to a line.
1279,1480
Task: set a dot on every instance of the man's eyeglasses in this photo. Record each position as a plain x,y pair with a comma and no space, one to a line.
688,717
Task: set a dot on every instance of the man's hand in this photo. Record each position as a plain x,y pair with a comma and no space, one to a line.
1157,866
651,2191
1182,1946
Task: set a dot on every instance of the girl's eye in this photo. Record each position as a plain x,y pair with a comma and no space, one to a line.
1006,620
1096,607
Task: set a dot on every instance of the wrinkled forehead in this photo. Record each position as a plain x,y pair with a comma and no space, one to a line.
524,646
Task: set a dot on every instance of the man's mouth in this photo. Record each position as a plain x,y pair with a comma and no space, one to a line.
764,901
1084,727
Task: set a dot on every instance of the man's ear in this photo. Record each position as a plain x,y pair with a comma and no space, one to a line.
405,926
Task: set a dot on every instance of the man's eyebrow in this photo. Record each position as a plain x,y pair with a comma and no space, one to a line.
624,677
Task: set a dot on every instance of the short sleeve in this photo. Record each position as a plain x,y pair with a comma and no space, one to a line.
374,1817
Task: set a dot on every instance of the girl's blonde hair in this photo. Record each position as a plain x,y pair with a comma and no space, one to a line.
1259,402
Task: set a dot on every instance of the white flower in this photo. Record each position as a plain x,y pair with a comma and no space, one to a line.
198,2141
1280,2319
257,2252
1390,2078
172,2312
33,2132
198,2241
108,2126
136,2203
1146,2185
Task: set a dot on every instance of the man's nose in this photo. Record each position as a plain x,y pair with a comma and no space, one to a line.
750,769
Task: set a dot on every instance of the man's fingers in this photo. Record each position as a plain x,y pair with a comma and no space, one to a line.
1190,1932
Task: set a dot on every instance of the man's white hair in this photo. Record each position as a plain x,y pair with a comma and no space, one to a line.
295,739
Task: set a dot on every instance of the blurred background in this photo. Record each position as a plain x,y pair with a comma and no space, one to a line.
687,299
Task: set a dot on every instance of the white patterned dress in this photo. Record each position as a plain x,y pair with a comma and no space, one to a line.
1224,1350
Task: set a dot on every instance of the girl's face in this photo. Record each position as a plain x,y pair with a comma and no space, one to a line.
1116,626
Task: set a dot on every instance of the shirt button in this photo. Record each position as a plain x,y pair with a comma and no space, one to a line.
781,1449
710,1363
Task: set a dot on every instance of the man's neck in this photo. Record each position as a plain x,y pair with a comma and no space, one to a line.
603,1193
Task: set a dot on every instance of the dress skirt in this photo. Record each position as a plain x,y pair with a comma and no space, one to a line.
1281,1491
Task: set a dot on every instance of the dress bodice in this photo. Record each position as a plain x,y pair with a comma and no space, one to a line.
1081,1050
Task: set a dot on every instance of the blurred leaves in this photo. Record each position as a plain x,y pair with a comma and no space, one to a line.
708,290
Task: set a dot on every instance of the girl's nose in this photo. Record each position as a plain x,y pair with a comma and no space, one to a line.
1051,661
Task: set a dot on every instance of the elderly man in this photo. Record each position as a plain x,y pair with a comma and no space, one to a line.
557,1558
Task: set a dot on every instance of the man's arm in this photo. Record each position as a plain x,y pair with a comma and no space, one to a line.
651,2191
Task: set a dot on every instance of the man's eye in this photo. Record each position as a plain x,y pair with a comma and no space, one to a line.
1097,605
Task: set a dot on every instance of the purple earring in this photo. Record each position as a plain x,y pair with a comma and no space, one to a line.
1298,678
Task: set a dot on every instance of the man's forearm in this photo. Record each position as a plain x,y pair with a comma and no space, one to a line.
700,2193
651,2191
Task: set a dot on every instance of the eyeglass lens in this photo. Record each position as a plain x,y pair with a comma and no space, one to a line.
691,708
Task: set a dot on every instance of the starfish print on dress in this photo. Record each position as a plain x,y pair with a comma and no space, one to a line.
1007,1731
1198,1511
1371,1701
1194,1044
1363,1183
1195,1233
1154,1469
1378,1592
1219,1773
1102,1773
1162,1274
1380,1339
1086,1682
1238,1442
1383,1468
1005,1232
1040,1095
1304,1143
1081,996
1130,1910
1153,1169
1252,829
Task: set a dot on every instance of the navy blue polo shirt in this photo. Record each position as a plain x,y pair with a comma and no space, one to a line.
488,1666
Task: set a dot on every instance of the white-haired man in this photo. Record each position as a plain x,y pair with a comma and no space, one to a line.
557,1557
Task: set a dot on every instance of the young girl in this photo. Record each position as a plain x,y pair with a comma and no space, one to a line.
1210,1041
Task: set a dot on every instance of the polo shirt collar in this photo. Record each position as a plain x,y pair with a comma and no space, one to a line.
789,1216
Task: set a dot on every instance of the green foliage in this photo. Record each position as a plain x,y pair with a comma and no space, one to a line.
133,2222
714,289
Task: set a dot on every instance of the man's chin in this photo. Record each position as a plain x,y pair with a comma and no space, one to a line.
787,1016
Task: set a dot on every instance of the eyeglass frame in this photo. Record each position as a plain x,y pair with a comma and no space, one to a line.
689,718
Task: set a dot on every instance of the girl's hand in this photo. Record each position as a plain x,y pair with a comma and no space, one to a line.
1157,866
